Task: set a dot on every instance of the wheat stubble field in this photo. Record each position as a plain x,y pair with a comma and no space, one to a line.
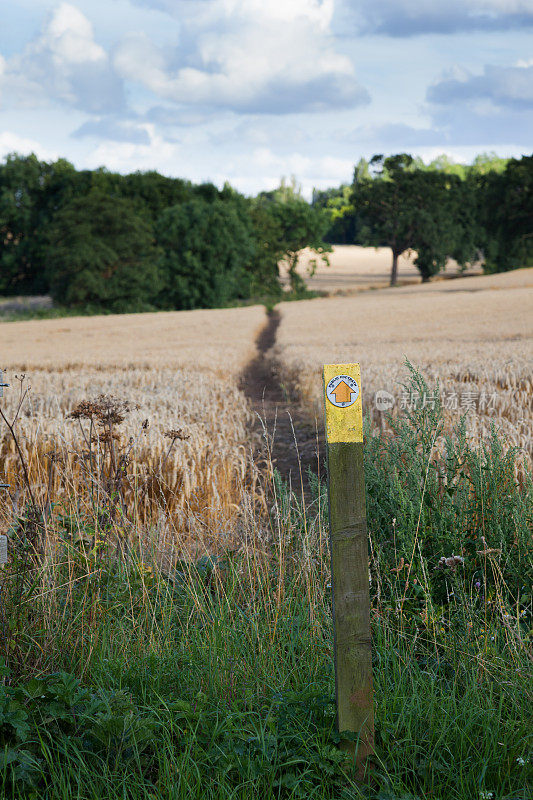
177,370
353,268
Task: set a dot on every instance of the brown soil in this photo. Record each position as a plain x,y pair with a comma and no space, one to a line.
296,443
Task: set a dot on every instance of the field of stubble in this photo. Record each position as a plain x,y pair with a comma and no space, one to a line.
178,373
352,268
473,335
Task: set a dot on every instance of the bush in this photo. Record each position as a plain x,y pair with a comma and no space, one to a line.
207,249
101,255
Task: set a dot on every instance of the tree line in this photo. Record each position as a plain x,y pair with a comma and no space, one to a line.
98,240
481,212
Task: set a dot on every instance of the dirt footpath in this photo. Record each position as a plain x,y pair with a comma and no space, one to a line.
295,444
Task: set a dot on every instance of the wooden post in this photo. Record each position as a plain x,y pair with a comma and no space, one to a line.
349,559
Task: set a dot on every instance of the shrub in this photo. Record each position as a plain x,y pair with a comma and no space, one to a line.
207,247
101,255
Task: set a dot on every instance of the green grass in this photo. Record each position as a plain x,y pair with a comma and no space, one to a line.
217,681
217,690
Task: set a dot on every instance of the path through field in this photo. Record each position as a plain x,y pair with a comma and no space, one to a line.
288,439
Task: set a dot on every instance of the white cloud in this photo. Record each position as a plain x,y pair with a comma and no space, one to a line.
64,63
13,143
69,38
248,55
495,88
128,156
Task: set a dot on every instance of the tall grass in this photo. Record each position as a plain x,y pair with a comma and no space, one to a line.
213,677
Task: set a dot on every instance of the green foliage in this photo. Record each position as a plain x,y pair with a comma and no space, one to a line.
488,162
343,227
442,209
101,254
506,215
291,224
207,249
50,716
460,214
462,501
405,207
265,271
284,745
152,192
46,208
29,192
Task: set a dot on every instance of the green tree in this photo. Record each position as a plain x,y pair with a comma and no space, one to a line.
488,162
22,200
153,192
294,225
404,207
101,255
506,215
343,221
208,248
31,192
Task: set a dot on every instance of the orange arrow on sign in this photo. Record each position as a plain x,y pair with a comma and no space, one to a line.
342,392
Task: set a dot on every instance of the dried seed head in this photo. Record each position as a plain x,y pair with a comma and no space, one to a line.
452,562
105,437
107,410
86,409
177,433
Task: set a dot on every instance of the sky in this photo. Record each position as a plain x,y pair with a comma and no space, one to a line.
248,91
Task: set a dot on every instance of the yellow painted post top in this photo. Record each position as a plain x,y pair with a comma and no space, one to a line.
342,401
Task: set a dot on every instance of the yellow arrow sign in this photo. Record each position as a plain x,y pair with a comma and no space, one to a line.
344,411
342,392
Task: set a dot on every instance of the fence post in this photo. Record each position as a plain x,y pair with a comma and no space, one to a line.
3,537
349,560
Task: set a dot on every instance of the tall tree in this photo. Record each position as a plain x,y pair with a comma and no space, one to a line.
101,255
22,199
208,247
506,215
294,225
404,207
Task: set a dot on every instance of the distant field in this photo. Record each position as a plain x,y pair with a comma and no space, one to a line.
353,268
474,335
221,340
